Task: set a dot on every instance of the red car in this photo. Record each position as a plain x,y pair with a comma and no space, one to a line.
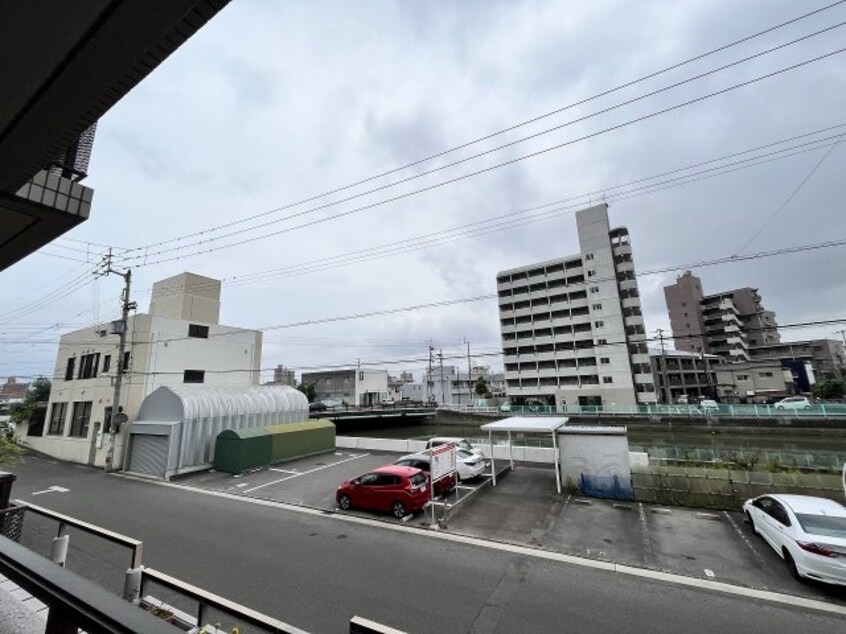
400,490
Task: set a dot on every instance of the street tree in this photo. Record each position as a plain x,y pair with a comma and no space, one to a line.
482,389
308,390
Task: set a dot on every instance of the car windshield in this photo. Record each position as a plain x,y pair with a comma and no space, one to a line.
466,446
418,479
461,453
823,525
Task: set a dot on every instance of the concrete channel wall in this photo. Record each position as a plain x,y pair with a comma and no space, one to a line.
726,489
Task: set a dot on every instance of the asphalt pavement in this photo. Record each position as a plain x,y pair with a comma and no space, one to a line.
316,569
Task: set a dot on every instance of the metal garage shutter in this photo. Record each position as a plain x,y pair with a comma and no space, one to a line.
149,454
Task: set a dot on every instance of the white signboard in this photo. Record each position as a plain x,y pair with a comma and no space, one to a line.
443,462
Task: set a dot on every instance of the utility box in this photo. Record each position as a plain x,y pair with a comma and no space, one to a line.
297,440
239,450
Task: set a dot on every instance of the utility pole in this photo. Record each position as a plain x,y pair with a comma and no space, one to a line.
443,393
469,379
429,397
842,334
660,332
119,327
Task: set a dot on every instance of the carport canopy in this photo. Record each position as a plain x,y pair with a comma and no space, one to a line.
526,425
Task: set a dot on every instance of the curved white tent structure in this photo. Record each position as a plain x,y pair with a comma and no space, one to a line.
177,426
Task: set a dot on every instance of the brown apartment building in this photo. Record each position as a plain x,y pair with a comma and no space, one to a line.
726,324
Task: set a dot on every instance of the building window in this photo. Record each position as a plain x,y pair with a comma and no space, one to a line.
589,256
599,324
742,377
57,419
604,360
591,273
683,304
80,419
607,379
88,365
107,362
594,289
765,375
70,369
125,365
194,376
597,306
196,330
601,342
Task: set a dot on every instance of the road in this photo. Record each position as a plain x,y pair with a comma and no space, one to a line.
316,571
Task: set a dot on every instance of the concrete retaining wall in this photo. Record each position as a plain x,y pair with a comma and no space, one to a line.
724,489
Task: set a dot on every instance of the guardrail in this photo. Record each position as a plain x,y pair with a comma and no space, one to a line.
825,410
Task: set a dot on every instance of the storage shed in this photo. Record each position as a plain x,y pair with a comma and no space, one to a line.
239,450
177,426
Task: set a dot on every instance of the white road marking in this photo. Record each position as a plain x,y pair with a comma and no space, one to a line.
243,484
302,473
52,489
717,586
282,470
465,488
740,534
709,573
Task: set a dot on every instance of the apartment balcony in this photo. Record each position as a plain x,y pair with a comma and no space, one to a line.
641,358
622,249
624,266
631,302
634,320
561,322
504,328
522,312
627,285
645,378
543,340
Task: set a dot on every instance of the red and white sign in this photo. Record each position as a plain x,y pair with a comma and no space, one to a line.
443,462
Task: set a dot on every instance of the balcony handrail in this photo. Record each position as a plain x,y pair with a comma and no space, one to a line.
78,601
66,520
206,599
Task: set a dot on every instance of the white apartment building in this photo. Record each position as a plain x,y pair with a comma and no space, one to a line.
572,328
178,341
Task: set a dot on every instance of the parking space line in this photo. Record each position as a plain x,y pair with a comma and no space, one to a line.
737,529
281,470
302,473
648,557
789,600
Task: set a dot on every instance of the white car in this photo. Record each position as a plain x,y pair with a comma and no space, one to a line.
461,443
793,402
809,533
468,465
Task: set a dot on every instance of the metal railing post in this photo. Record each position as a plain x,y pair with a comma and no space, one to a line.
59,547
132,584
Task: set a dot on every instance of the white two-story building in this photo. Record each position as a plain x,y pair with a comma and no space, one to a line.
178,341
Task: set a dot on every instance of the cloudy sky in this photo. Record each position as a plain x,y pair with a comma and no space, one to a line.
273,104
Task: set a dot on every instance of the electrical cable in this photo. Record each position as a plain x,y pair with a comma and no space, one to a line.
498,165
507,129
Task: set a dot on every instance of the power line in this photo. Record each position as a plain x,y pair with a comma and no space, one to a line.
462,356
792,195
478,298
492,167
537,213
504,130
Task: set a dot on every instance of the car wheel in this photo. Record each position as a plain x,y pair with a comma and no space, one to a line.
791,566
344,502
398,510
751,523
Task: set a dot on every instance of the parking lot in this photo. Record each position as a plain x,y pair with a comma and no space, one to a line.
312,482
524,509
